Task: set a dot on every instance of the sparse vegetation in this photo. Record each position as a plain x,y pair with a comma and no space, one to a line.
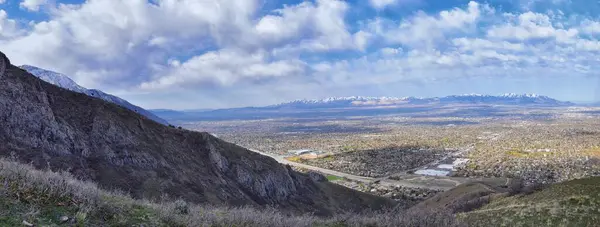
57,199
333,178
43,198
572,203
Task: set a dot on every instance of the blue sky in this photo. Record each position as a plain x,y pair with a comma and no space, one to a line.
188,54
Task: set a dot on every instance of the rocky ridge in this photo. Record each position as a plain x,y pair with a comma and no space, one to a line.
64,81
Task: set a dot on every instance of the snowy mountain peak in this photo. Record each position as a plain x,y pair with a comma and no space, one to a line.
503,99
350,98
65,82
55,78
514,95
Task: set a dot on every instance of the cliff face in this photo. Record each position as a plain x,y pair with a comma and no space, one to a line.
3,63
51,127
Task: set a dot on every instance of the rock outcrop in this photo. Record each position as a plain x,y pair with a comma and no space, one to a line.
95,140
3,63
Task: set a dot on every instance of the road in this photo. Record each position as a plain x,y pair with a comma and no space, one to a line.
403,180
314,168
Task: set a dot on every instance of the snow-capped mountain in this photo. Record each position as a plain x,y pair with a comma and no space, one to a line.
504,99
55,78
65,82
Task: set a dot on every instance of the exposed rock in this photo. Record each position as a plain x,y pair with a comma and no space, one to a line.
26,223
3,63
316,176
95,140
64,219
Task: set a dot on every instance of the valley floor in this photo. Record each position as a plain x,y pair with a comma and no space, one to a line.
541,145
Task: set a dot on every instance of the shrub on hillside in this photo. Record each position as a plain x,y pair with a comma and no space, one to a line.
43,192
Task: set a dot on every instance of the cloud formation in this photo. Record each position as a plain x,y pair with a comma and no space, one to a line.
232,48
33,5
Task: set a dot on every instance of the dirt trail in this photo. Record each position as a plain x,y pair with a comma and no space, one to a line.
501,208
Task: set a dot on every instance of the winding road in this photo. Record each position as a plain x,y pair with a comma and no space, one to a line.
403,180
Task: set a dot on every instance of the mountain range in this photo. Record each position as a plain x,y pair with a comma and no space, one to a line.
355,101
478,105
64,81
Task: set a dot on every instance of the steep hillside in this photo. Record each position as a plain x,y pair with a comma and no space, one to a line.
572,203
51,127
472,195
64,81
511,203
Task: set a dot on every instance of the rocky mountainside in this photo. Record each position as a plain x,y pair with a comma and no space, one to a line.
51,127
64,81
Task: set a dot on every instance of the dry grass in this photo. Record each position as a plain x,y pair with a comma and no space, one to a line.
572,203
42,197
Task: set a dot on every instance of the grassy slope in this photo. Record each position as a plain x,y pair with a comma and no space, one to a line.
469,195
43,197
572,203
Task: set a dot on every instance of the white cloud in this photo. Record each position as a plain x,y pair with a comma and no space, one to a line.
224,67
532,26
587,45
426,30
288,23
2,1
469,44
388,51
117,38
33,5
8,27
590,27
126,40
380,4
315,47
310,27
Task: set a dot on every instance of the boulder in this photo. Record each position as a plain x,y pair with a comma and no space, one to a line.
316,176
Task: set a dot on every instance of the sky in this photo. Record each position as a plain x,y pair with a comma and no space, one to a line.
191,54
